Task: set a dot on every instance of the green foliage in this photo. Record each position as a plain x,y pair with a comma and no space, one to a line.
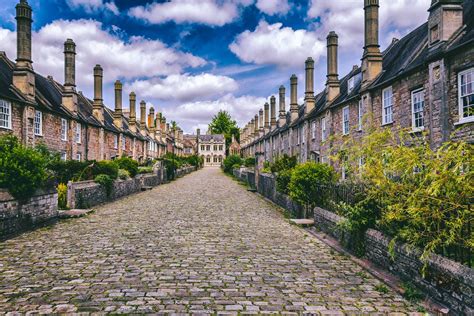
65,171
142,170
249,162
106,182
284,162
62,196
172,163
123,174
230,161
22,169
381,288
194,160
423,192
283,181
222,123
411,293
304,187
236,166
104,167
128,164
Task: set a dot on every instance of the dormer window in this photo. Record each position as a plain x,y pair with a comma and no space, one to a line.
434,33
350,85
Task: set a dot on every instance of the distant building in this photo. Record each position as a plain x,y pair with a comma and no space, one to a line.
190,145
234,148
212,149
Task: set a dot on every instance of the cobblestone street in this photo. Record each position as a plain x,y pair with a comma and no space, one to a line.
200,244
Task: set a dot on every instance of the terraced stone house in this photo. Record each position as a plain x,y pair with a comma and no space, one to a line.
39,109
423,82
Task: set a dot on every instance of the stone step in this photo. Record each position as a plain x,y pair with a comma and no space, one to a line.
146,188
302,222
74,213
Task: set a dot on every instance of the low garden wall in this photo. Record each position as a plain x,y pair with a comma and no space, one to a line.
16,216
444,280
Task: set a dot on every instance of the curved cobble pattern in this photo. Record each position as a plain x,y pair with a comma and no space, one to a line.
200,244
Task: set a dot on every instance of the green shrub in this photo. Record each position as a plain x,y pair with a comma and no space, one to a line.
194,160
62,196
22,169
128,164
304,187
283,180
284,162
142,170
236,166
249,162
106,167
123,174
230,161
171,165
106,182
65,171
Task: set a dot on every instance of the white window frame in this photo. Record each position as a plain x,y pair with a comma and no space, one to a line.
78,156
387,106
359,115
78,134
463,119
63,156
323,128
345,120
38,123
303,133
413,113
313,129
64,129
350,85
123,141
116,141
5,114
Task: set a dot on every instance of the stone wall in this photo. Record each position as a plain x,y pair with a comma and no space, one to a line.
445,280
16,216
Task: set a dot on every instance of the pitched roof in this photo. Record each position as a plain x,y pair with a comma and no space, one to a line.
214,137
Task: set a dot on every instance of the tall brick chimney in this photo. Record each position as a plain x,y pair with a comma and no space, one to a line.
309,89
142,114
118,104
151,119
133,115
23,74
266,117
256,127
98,105
372,58
282,110
273,121
333,86
446,17
294,98
69,99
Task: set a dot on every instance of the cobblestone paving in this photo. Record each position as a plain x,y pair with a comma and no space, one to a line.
200,244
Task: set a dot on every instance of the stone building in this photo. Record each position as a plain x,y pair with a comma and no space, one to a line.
211,148
39,109
234,147
423,82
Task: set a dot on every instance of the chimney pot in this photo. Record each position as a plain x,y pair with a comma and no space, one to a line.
69,65
142,114
332,83
294,97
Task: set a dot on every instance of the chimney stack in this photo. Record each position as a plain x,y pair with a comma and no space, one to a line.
261,123
309,93
294,98
332,83
133,116
69,98
23,75
118,104
267,117
256,127
151,120
142,114
282,112
372,58
98,105
273,121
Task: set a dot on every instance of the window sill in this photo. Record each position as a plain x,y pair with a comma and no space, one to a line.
417,130
464,121
39,135
388,124
4,127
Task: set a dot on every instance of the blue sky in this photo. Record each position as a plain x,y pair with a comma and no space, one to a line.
191,58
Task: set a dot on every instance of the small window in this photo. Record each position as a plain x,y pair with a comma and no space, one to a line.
78,156
5,114
303,132
345,120
38,123
418,104
323,128
116,141
466,95
124,142
359,116
387,106
64,129
78,132
434,33
350,85
63,156
208,147
313,129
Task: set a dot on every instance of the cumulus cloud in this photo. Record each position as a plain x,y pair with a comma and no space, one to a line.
242,109
210,12
135,58
94,6
184,87
346,17
278,45
272,7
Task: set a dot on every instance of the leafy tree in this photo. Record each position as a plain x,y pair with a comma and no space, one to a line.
222,123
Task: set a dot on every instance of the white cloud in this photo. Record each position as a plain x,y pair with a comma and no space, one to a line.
278,45
272,7
210,12
346,17
138,57
183,87
192,114
93,6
